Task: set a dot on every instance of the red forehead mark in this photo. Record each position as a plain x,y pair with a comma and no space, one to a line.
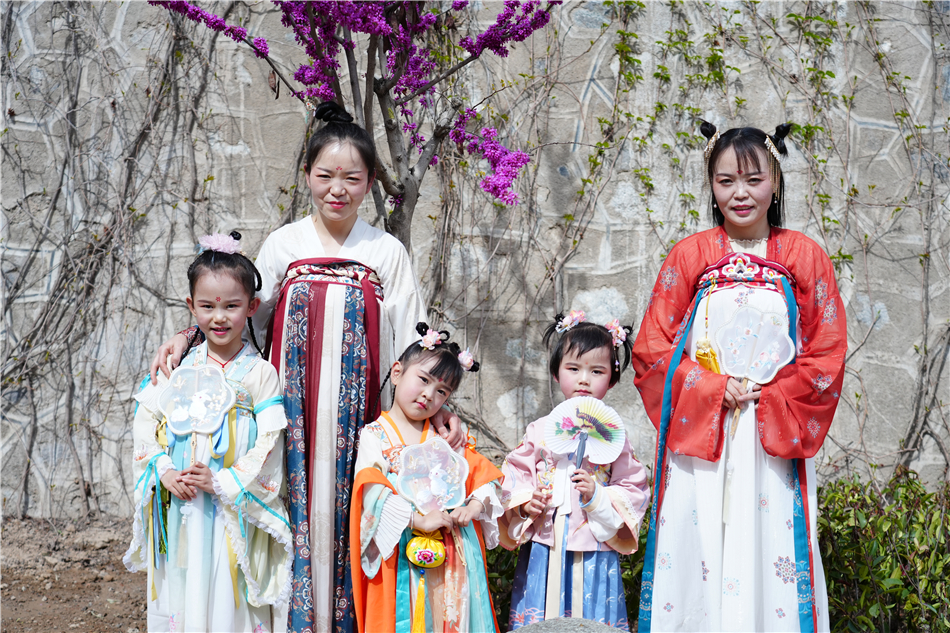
217,298
339,169
740,172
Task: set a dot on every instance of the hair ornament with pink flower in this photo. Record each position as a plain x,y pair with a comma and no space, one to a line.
573,318
617,331
467,361
221,243
433,338
430,337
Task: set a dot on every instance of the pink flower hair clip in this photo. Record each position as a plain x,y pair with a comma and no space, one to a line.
431,339
617,332
467,361
219,243
572,319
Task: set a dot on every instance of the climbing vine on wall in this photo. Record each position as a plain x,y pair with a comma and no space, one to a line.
111,171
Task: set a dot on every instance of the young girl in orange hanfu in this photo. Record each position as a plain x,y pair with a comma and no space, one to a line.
391,593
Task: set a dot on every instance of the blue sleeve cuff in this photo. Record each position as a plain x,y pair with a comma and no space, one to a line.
270,402
593,497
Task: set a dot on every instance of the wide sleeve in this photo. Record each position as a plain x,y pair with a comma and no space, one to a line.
521,479
797,407
482,484
628,492
403,298
263,384
272,263
145,428
384,515
696,393
149,463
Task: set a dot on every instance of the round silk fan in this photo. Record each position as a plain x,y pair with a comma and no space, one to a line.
432,476
754,345
588,426
196,400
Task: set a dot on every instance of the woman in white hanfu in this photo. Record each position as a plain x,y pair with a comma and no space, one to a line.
733,544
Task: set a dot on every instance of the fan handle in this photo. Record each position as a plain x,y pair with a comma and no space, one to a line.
581,448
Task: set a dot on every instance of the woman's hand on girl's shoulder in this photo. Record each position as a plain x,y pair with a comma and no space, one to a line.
166,358
449,428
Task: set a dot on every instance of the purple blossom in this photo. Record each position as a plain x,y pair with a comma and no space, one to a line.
261,45
320,28
239,34
212,21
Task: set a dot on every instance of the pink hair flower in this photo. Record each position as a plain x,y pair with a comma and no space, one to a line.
617,332
572,319
220,243
466,360
431,339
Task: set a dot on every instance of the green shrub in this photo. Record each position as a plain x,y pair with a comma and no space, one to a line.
885,558
501,573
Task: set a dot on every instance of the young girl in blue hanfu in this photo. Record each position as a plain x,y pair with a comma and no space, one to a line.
399,584
209,524
569,562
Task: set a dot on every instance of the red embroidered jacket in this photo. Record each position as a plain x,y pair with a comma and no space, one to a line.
795,410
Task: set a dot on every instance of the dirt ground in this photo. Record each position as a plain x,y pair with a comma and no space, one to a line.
63,576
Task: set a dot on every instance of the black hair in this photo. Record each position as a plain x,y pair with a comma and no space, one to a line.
585,337
340,128
237,265
447,368
745,141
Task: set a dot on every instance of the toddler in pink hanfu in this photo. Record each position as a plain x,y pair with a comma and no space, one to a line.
573,523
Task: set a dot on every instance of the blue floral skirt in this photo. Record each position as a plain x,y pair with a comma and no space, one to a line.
604,598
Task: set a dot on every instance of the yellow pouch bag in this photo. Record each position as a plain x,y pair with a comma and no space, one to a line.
705,354
426,549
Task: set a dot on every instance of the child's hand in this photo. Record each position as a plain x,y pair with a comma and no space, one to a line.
584,484
198,476
538,503
432,521
464,515
173,485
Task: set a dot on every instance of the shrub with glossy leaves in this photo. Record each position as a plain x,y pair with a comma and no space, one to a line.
885,554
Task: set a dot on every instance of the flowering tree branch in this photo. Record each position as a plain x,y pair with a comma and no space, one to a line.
402,72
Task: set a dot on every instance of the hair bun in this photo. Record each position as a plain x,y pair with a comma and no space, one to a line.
708,129
422,328
332,112
235,235
781,131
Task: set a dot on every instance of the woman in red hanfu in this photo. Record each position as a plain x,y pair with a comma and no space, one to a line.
733,541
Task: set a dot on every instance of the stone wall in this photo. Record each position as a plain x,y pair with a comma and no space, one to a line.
127,134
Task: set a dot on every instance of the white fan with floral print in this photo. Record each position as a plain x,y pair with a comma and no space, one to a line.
754,346
588,426
432,476
196,400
